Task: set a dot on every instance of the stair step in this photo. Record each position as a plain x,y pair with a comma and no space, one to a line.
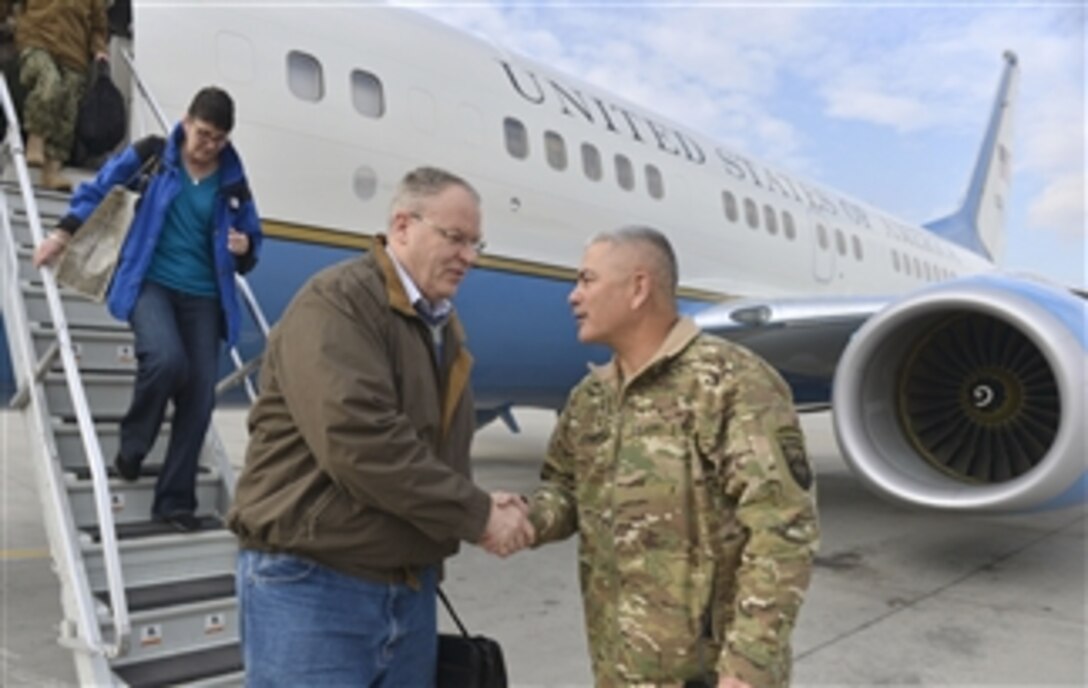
168,557
74,459
108,395
131,502
169,631
183,668
105,349
27,271
50,203
83,473
20,227
145,529
79,311
177,592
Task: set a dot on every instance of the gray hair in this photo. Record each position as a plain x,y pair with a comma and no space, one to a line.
425,182
662,255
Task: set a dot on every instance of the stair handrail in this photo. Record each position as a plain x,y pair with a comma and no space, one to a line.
85,607
248,296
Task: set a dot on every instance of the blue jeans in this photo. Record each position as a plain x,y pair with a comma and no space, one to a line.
177,355
304,624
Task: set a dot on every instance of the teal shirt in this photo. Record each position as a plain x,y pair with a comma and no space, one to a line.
184,257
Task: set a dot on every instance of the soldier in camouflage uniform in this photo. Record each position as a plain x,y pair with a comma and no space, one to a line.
683,469
56,41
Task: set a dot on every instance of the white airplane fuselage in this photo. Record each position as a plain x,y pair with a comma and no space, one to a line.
335,104
323,172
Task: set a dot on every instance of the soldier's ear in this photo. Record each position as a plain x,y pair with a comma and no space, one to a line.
642,288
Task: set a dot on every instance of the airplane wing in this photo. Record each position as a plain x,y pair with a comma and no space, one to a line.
802,338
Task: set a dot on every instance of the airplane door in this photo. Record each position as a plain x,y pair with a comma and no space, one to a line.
823,256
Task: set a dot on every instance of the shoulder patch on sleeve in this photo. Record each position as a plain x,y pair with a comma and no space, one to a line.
792,443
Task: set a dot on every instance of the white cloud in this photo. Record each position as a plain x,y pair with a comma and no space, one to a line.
1060,206
852,101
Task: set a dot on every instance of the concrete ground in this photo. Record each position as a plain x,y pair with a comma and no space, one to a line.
899,597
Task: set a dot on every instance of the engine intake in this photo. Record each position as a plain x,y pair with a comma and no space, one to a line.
969,395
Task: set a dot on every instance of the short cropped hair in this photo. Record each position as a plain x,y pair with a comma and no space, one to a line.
425,182
662,255
213,105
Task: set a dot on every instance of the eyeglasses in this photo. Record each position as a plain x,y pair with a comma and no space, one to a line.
453,236
216,139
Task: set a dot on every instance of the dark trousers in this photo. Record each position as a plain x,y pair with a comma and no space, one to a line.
177,352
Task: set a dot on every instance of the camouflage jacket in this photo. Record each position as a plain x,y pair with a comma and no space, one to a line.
688,480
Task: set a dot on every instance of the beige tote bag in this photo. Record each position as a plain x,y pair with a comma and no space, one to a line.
88,262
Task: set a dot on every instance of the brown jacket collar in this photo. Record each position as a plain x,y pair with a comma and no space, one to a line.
461,368
398,298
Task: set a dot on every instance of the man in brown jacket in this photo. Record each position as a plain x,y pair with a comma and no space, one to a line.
357,484
56,42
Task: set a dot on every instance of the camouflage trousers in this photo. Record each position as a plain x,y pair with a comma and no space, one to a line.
53,92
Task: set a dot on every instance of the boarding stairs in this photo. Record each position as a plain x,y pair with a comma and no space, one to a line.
143,604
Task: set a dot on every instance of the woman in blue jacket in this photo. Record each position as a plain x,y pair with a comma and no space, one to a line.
195,226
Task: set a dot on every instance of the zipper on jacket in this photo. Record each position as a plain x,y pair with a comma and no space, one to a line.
617,437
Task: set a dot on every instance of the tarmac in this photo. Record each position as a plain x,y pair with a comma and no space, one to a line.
899,597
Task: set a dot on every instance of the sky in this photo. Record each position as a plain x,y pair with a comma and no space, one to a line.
887,102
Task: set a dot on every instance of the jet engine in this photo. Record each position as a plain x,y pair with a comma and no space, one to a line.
969,396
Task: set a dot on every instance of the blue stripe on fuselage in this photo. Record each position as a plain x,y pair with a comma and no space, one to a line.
520,328
519,325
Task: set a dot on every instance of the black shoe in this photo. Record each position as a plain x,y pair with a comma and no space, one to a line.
182,521
125,470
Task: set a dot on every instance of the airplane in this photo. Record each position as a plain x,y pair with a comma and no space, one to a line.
953,385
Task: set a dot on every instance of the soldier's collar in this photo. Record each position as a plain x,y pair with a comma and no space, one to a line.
678,338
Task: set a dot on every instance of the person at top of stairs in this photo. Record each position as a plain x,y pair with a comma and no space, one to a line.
56,43
195,226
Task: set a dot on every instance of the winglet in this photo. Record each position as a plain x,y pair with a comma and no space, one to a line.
979,224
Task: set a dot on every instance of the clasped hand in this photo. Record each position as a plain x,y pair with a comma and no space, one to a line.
508,527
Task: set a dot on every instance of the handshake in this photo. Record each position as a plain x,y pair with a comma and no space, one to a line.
508,527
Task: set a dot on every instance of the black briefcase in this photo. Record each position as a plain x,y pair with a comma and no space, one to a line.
466,661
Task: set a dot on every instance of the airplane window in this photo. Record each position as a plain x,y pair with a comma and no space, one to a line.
856,243
929,273
917,267
625,174
366,94
555,149
304,76
840,242
517,139
821,236
788,227
895,260
770,219
654,183
751,213
365,183
591,161
729,204
906,264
